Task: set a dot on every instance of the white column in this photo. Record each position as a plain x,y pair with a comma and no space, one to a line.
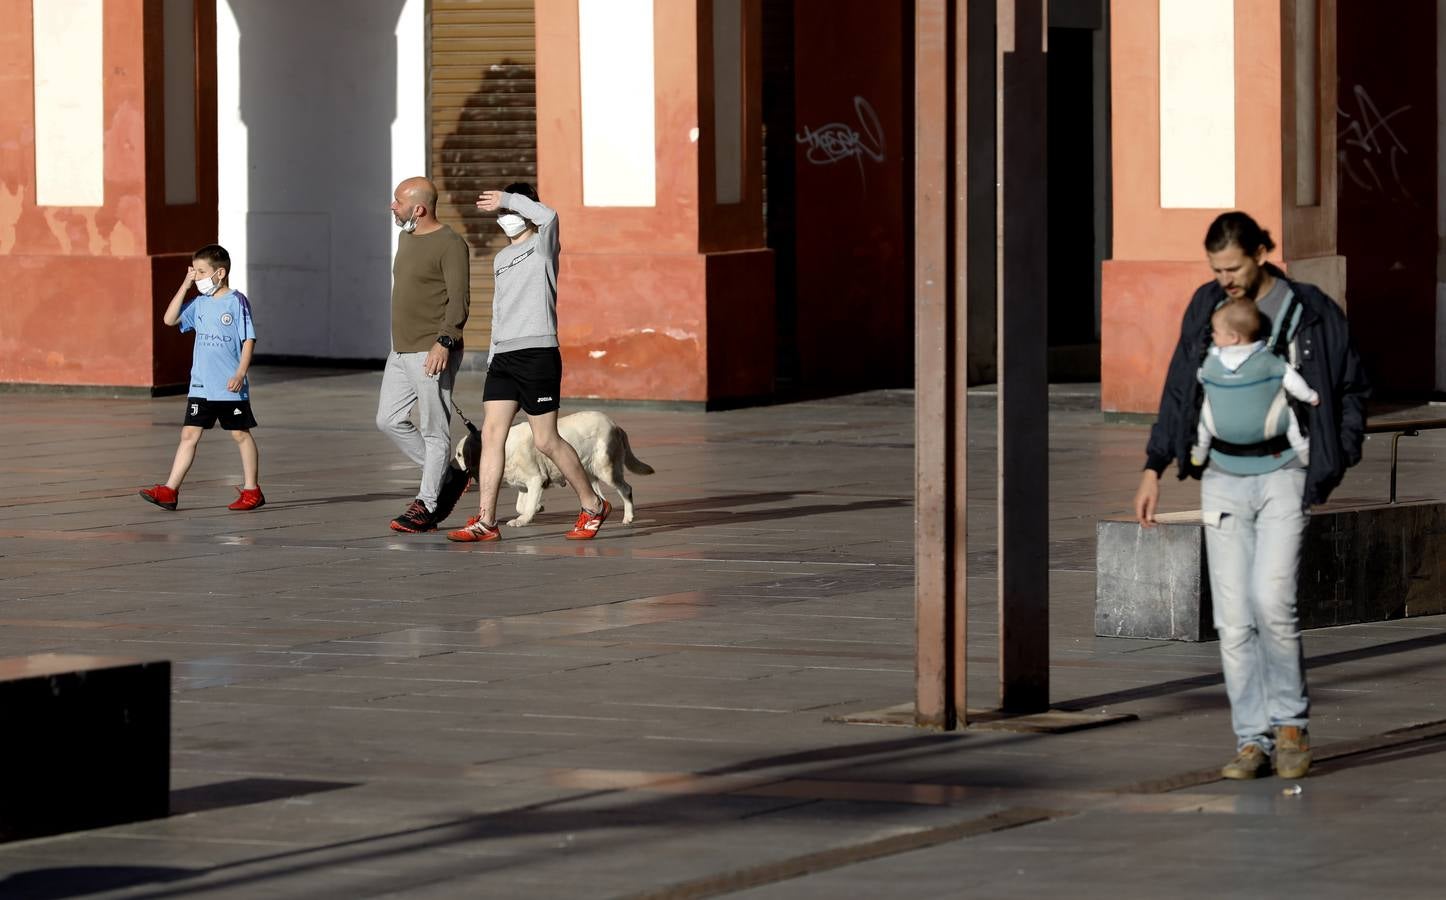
69,102
1197,104
619,156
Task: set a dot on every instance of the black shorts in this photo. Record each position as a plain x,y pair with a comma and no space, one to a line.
532,377
234,415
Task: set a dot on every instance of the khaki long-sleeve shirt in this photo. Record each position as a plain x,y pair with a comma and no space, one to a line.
430,289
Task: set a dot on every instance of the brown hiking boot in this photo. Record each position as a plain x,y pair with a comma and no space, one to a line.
1292,751
1250,762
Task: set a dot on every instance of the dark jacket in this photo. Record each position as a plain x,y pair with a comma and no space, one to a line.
1327,360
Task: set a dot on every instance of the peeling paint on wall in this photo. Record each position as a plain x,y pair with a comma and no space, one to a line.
58,228
11,203
122,240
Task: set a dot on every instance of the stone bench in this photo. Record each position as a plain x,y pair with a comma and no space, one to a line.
1359,563
86,743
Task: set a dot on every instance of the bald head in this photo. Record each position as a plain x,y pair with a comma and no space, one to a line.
416,199
418,191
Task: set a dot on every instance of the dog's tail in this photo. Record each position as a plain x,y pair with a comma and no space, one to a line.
635,465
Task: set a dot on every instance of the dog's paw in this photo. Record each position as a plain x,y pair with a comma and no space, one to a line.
519,522
627,518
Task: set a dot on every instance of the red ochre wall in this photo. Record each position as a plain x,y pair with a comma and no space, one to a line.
669,302
82,288
1159,254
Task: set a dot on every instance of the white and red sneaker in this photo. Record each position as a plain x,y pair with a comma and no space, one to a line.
588,523
475,530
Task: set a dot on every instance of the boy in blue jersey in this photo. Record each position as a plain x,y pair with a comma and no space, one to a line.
225,340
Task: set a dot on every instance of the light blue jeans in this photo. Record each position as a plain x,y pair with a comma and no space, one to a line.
1253,530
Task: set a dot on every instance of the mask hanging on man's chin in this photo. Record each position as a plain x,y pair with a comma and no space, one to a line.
511,224
409,226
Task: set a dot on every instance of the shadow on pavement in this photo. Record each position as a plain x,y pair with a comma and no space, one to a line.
243,791
78,881
564,815
1165,688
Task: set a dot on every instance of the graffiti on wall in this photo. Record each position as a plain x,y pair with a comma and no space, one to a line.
1371,153
838,141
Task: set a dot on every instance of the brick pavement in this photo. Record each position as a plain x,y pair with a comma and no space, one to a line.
359,713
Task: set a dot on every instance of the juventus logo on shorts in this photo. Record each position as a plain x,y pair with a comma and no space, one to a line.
195,409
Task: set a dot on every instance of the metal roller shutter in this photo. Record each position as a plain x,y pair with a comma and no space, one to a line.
483,127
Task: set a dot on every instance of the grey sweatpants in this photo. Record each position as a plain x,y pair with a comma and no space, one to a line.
427,441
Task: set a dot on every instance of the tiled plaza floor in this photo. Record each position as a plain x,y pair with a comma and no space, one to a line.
360,714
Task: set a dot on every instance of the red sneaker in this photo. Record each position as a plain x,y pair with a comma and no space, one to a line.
162,496
251,498
588,523
475,530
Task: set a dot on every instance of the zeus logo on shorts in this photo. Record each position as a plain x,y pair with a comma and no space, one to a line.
195,409
544,399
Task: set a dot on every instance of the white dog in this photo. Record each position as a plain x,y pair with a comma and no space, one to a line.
600,443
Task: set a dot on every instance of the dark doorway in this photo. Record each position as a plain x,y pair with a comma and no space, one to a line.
778,182
838,157
1078,167
1386,134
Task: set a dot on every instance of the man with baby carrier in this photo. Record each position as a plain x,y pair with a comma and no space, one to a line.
1269,361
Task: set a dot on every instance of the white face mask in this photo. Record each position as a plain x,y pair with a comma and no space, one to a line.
206,286
511,224
407,225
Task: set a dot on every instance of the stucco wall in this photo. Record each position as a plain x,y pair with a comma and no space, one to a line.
322,110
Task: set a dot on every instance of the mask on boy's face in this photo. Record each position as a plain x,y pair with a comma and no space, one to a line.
511,224
206,285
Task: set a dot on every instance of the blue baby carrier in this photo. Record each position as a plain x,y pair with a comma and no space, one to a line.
1248,410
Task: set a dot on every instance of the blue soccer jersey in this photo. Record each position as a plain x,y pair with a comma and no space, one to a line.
221,324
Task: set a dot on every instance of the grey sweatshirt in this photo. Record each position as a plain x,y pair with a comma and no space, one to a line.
524,307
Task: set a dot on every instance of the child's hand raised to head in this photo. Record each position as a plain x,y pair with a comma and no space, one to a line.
190,277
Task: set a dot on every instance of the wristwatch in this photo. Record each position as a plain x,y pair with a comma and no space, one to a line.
447,342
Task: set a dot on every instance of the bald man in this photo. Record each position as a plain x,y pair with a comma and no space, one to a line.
430,281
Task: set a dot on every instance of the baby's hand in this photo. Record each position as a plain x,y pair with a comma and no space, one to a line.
1315,401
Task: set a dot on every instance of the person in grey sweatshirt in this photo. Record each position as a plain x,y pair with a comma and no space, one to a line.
524,364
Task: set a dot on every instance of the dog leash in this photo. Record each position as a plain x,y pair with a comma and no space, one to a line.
461,414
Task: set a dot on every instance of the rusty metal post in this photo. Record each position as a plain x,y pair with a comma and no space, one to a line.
939,370
1023,379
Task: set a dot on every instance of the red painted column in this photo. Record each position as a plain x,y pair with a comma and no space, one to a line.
83,287
672,301
1159,255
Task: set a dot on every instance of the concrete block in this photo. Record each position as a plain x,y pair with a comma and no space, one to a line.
1151,582
1360,563
87,743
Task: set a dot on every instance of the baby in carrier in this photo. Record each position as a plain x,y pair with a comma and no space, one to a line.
1246,411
